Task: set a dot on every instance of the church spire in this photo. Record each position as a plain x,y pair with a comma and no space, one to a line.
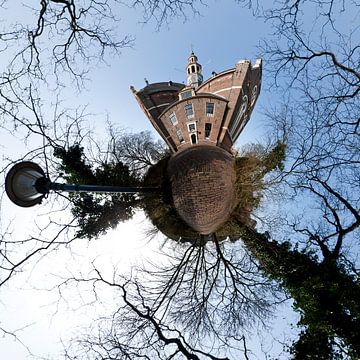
193,71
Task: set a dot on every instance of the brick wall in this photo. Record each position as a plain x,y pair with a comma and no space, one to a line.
202,180
199,117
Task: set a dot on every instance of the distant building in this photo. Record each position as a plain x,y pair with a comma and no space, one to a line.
213,112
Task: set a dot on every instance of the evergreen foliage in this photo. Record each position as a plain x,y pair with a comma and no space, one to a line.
97,213
325,295
312,345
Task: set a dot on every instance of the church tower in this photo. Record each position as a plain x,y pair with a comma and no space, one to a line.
193,71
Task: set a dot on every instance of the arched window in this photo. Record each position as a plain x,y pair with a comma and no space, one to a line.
193,68
234,125
193,139
207,130
254,95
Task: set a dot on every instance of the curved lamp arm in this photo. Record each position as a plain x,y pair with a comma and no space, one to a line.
26,185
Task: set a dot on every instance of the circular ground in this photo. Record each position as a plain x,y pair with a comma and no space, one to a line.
202,180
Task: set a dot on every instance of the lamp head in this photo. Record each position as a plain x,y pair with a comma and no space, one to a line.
24,184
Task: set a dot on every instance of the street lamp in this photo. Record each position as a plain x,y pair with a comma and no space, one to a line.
26,185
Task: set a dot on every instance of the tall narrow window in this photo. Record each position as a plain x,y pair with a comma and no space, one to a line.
180,136
193,139
239,116
209,109
253,95
207,130
173,119
189,110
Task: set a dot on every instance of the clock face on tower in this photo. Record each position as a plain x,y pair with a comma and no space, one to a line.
195,78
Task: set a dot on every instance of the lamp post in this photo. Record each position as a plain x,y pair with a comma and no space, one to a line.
26,185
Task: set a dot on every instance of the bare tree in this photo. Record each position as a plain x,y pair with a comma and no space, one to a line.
319,118
57,230
209,290
78,31
135,331
318,71
139,151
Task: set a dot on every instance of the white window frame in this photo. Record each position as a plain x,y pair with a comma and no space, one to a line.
211,126
188,127
196,138
188,91
173,115
254,94
213,112
240,114
192,110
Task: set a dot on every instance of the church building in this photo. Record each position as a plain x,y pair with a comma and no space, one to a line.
200,122
211,112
